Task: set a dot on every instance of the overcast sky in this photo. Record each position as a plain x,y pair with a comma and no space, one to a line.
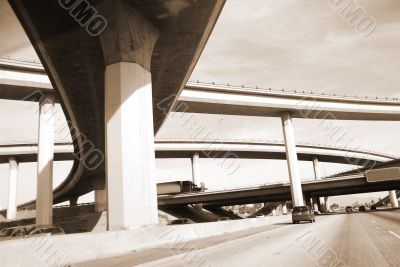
295,45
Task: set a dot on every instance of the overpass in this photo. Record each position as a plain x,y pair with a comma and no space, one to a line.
108,61
234,149
228,149
211,98
280,192
233,100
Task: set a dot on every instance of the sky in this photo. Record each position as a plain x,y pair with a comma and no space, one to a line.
294,45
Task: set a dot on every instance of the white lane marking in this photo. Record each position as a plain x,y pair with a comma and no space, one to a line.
394,234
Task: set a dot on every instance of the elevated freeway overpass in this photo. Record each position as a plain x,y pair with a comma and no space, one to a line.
217,149
280,192
211,98
108,62
238,100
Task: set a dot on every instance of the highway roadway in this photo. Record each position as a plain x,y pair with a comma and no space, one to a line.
357,239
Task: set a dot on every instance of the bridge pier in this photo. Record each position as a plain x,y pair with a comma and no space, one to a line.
128,44
44,199
100,199
291,158
12,189
393,199
317,176
196,169
130,157
315,204
73,201
327,204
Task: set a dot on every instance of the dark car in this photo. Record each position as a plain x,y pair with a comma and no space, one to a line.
181,221
349,209
303,213
373,208
362,209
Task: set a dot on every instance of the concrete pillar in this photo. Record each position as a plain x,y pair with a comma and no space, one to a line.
196,169
284,209
327,204
317,176
73,201
315,203
44,198
130,158
100,198
12,189
317,173
291,158
393,199
308,201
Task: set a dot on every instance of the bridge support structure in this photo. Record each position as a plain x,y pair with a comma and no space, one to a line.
130,157
393,199
291,158
327,204
196,169
73,201
100,199
317,176
12,189
45,158
315,203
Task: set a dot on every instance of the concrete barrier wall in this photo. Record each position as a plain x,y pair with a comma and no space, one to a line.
78,248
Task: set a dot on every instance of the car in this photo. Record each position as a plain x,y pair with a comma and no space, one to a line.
362,209
224,219
181,221
373,208
349,209
303,213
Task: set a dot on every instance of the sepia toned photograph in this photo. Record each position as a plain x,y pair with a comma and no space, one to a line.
199,133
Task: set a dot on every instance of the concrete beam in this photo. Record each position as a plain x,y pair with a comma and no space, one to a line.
291,158
12,189
44,200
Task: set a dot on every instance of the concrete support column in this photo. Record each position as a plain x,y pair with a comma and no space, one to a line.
130,158
308,201
12,189
100,198
44,199
284,209
73,201
327,204
196,169
291,158
315,203
317,173
393,199
317,176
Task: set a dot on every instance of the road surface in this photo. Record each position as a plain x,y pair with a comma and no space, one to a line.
357,239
